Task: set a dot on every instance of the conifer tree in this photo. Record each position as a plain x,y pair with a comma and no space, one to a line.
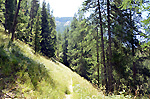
33,14
37,37
65,48
48,33
10,7
23,20
77,55
110,75
45,31
97,50
2,12
102,42
13,27
72,43
59,47
97,7
52,30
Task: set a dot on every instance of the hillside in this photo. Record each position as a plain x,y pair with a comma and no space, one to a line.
62,23
26,75
95,54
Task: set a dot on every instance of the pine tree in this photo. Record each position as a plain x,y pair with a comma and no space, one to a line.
97,49
124,31
110,76
10,7
102,45
37,37
44,31
48,33
77,55
23,20
2,12
52,29
33,14
13,27
97,7
65,48
59,47
72,42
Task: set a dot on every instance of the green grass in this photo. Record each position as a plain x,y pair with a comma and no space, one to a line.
24,74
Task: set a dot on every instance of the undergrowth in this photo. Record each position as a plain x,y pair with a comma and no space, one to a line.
22,76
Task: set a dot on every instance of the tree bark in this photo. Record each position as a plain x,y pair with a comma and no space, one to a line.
6,15
133,47
102,45
15,21
97,48
109,49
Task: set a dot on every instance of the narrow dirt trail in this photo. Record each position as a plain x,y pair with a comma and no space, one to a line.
68,96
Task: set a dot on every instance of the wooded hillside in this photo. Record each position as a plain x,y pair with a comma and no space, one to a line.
109,48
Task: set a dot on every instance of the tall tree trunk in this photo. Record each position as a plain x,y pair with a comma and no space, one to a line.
6,6
36,46
102,45
109,49
15,21
35,38
134,66
97,48
31,23
132,44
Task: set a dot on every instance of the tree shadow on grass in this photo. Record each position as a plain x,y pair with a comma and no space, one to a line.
14,64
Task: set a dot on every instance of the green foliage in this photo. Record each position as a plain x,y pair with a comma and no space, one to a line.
131,4
26,75
127,65
59,47
146,21
65,48
37,37
79,48
48,33
10,7
79,51
2,12
18,69
139,6
34,9
23,22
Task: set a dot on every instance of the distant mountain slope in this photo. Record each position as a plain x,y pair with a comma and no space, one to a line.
62,23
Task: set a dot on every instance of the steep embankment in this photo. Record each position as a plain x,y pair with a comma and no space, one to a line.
26,75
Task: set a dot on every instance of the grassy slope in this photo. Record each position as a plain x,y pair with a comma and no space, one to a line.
24,74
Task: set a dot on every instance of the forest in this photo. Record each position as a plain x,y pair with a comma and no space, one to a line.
110,48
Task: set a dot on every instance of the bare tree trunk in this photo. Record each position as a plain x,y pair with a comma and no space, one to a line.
133,47
109,49
133,53
102,45
31,23
15,21
36,36
6,15
97,48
